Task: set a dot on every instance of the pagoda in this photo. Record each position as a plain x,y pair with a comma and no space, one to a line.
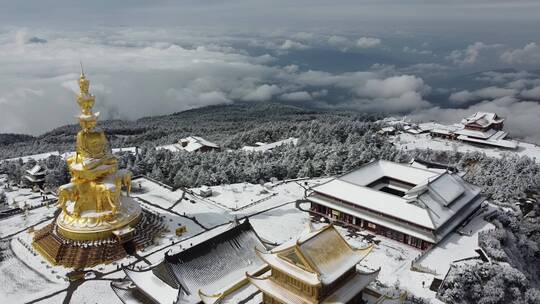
319,267
97,220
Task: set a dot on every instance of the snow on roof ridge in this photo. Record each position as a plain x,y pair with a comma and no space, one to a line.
303,275
387,196
373,190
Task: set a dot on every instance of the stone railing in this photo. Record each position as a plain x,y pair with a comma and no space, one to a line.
416,266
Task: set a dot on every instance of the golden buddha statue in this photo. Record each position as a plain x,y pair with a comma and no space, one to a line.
92,203
98,217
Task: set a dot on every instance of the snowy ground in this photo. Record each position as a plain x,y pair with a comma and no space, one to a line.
19,282
456,246
34,157
155,193
395,259
422,141
280,224
95,291
237,196
207,213
282,192
21,221
18,197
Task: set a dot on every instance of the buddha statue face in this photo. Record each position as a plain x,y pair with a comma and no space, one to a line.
88,125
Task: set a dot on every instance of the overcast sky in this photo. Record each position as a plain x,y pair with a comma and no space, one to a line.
427,59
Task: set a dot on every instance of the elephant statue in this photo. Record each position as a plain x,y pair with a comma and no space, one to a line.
109,194
67,192
125,177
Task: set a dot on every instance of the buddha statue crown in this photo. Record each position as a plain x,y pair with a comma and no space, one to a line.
85,99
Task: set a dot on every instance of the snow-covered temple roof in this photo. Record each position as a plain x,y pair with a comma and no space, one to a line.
316,257
206,272
482,119
152,286
432,166
263,147
36,170
430,200
497,140
194,143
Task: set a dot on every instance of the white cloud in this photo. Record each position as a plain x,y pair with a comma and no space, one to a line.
529,54
339,42
305,36
533,93
264,92
410,50
469,55
367,42
137,73
393,94
426,69
484,93
502,77
293,45
296,96
390,87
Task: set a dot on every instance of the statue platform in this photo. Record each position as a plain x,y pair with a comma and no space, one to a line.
92,225
59,250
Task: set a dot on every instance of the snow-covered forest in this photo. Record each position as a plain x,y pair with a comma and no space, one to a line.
330,143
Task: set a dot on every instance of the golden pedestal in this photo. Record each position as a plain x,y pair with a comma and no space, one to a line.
91,225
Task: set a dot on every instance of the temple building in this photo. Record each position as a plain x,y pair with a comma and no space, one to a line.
267,147
210,272
480,128
415,206
483,122
317,267
98,222
35,177
485,128
197,144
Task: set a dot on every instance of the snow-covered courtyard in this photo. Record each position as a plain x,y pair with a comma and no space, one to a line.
272,209
421,141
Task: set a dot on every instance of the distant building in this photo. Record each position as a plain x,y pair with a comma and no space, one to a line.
433,166
481,128
483,121
387,131
35,177
213,271
420,128
264,147
197,144
205,191
415,206
191,144
485,128
317,267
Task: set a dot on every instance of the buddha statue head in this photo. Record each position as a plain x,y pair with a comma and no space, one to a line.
88,124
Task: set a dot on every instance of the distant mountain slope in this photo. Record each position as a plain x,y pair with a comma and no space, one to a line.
215,122
9,138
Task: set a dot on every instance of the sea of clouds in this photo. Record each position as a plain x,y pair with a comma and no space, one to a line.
138,72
